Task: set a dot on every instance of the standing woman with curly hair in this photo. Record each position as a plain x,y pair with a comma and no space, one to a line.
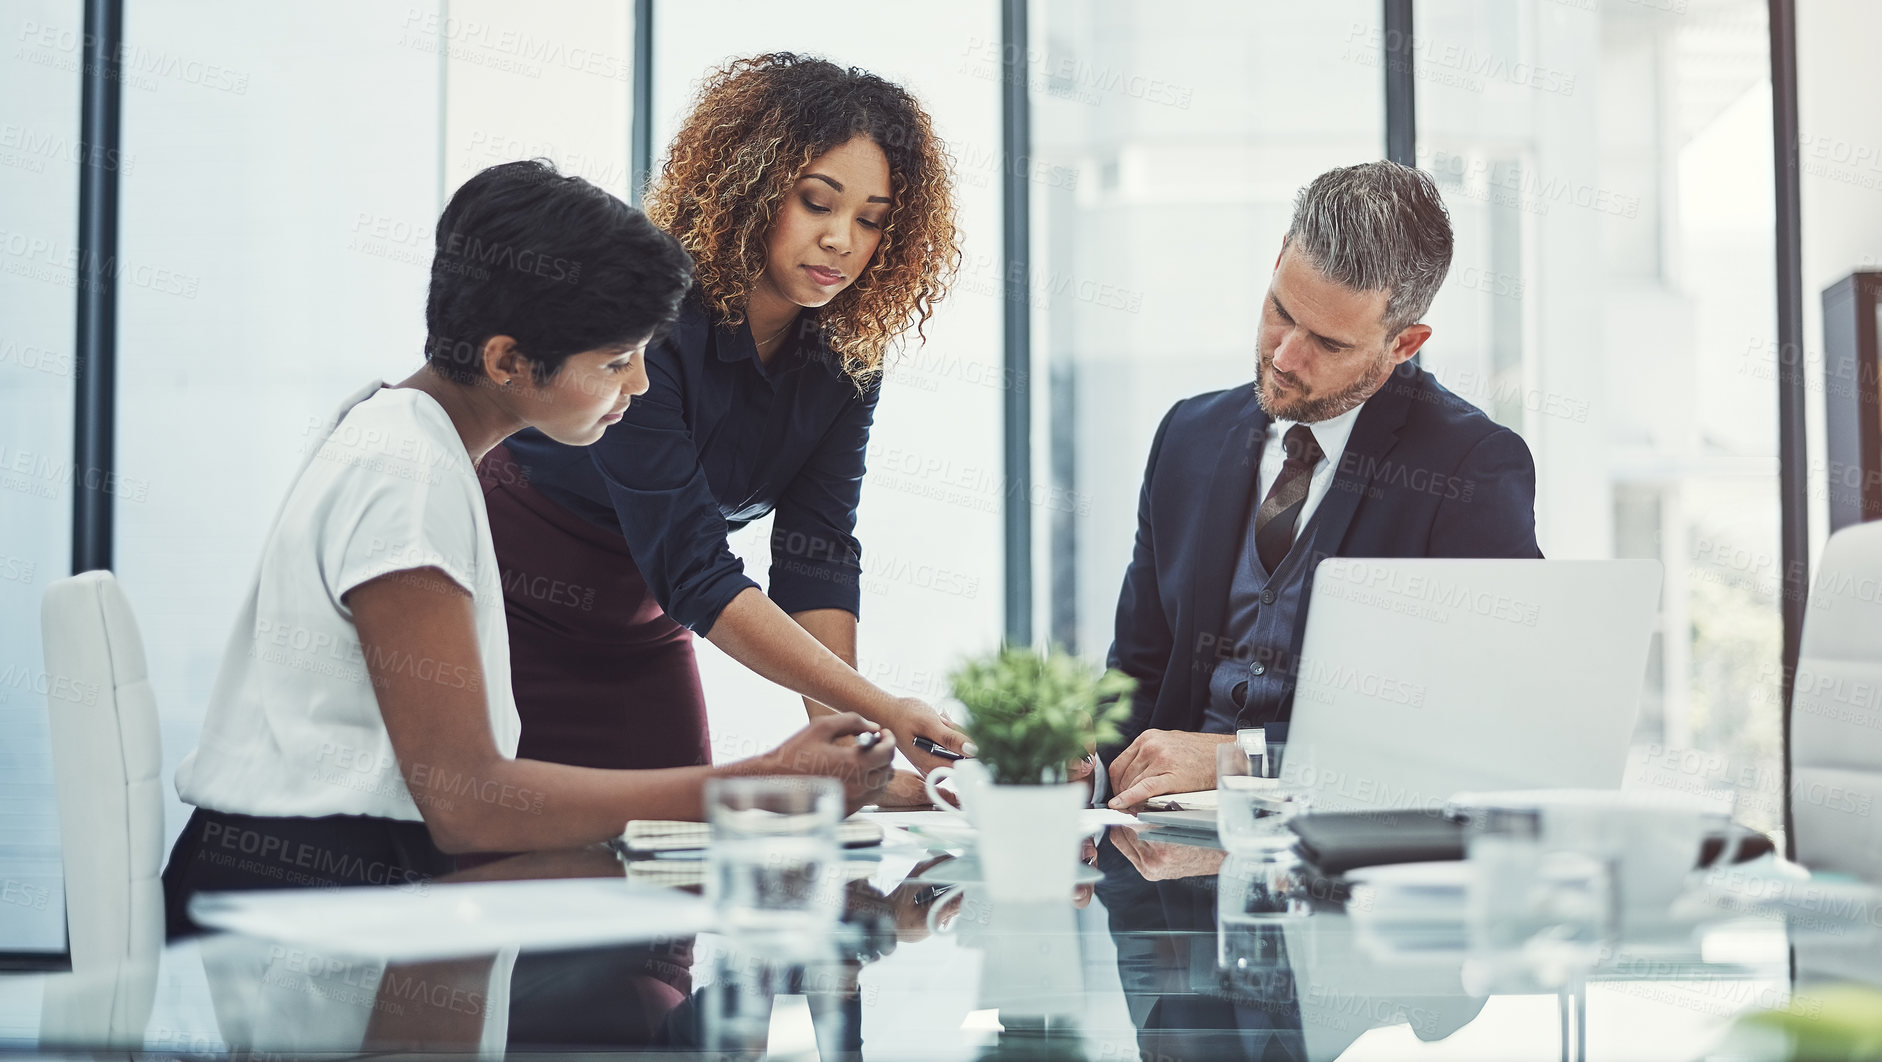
815,202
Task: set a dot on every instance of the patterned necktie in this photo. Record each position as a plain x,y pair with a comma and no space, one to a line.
1280,510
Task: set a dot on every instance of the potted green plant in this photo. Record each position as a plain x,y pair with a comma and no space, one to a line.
1031,715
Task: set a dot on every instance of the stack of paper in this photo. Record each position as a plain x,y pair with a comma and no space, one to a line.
674,835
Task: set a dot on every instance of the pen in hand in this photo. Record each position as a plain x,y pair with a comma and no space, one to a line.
933,749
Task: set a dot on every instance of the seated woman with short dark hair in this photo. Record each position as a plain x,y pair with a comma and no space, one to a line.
362,728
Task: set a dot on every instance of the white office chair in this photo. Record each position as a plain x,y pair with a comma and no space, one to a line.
107,763
1836,711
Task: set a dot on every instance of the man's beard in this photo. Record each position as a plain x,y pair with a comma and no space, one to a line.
1310,408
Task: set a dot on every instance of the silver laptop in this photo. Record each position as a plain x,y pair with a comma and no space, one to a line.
1421,678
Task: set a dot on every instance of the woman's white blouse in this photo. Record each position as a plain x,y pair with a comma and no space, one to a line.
293,726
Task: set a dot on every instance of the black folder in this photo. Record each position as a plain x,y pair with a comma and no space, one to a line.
1338,841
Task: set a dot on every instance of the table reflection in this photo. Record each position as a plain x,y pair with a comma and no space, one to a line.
1222,949
1161,899
270,996
1184,952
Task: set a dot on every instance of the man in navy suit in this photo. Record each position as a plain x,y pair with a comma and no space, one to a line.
1342,448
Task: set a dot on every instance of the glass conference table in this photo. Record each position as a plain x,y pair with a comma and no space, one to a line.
1136,965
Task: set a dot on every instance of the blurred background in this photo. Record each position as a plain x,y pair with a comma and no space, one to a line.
1608,165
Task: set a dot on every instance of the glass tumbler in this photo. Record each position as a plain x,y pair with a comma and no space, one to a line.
774,865
1252,810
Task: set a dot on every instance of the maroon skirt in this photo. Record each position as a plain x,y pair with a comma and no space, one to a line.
603,676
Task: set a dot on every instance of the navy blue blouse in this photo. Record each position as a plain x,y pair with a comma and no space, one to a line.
719,440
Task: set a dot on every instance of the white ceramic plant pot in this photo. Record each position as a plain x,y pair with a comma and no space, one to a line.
1028,844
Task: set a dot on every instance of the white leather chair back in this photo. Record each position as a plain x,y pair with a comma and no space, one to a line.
107,763
1836,711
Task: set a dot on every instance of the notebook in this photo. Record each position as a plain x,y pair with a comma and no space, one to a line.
671,835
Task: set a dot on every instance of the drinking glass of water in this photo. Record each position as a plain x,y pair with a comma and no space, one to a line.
774,865
1252,809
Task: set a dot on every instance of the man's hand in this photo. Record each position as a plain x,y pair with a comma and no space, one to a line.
1162,861
1164,761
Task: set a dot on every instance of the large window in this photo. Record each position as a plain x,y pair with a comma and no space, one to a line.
39,156
300,204
1608,172
1608,169
931,506
1169,142
297,206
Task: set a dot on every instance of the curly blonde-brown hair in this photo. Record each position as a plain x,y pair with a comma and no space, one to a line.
754,130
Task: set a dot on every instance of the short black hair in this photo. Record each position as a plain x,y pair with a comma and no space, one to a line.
551,261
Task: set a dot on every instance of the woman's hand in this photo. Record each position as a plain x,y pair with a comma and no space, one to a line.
911,717
822,749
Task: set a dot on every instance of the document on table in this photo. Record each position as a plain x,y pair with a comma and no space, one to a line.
1201,800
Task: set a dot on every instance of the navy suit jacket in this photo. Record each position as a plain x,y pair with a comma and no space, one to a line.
1424,474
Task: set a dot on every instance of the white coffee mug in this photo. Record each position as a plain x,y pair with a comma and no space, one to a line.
1026,835
1654,843
969,779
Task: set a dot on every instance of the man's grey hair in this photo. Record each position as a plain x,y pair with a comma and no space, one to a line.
1378,226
